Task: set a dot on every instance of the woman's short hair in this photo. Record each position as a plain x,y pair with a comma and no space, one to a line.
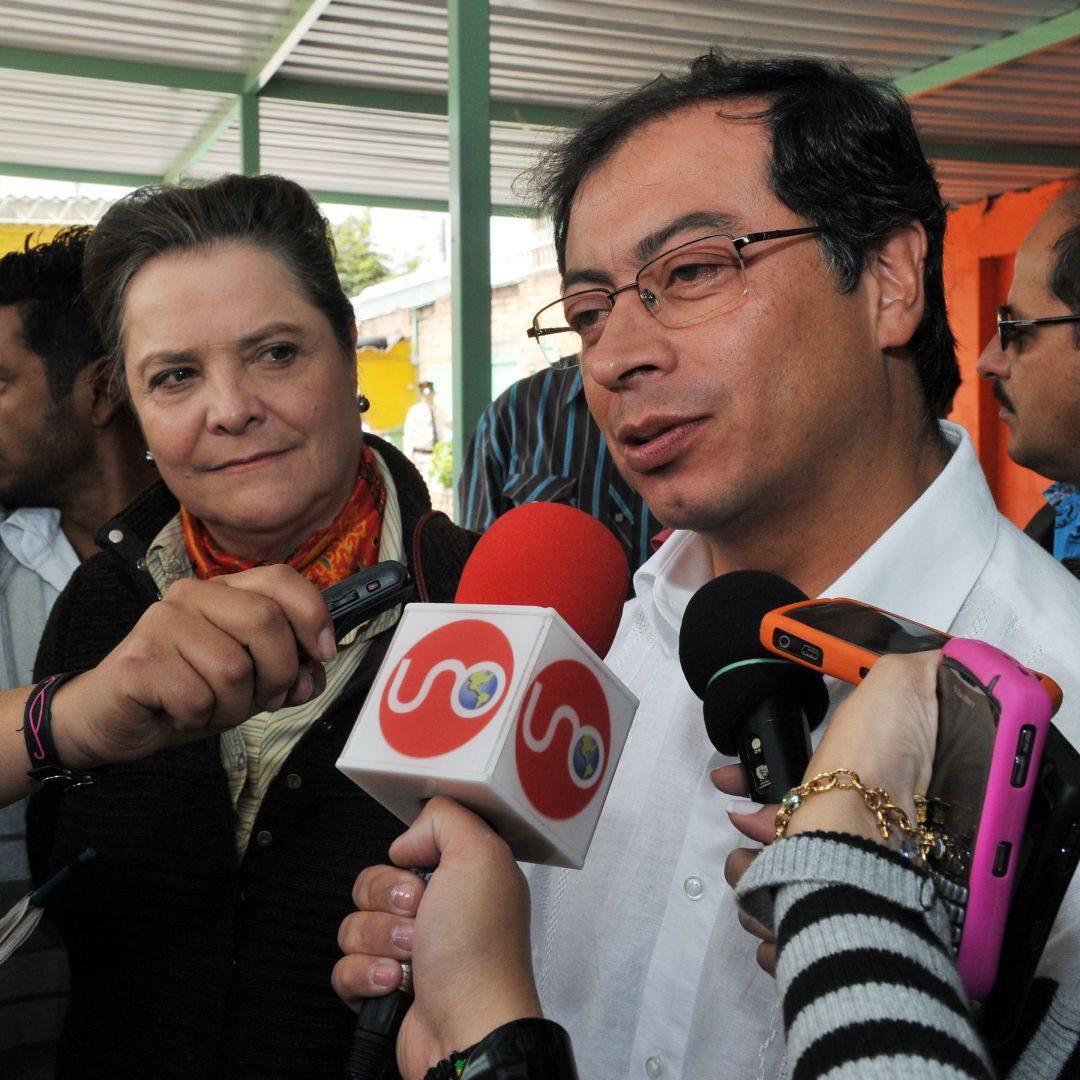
267,212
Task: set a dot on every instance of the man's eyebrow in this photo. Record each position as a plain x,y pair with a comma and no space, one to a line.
702,221
705,220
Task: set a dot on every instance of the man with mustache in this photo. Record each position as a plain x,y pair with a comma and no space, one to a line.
1034,361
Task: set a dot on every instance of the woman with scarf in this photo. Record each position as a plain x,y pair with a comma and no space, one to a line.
202,934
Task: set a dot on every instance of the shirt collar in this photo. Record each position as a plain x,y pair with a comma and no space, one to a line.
33,536
923,566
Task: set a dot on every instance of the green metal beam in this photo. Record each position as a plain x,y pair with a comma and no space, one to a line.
1058,157
302,17
1014,47
77,176
127,71
250,157
219,122
356,97
362,97
404,202
469,100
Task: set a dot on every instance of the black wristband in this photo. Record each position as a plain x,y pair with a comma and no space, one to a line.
46,766
529,1047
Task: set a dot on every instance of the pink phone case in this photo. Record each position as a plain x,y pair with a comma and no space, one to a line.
1022,701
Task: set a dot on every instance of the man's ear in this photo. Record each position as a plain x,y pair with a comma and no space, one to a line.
897,271
106,395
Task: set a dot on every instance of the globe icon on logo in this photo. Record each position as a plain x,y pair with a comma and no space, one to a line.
586,757
478,689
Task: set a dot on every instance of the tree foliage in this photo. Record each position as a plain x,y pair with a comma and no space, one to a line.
358,262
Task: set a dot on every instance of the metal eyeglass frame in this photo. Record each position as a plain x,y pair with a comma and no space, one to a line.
1007,328
646,296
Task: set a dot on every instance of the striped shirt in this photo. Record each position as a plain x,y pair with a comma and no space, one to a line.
538,442
866,975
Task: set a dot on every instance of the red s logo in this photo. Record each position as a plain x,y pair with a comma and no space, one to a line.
560,759
446,688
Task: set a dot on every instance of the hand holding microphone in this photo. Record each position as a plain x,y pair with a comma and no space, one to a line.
504,705
467,940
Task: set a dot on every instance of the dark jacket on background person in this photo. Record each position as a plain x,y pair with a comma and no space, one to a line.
1041,529
188,961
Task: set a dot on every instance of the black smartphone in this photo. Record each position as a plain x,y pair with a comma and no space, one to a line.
365,595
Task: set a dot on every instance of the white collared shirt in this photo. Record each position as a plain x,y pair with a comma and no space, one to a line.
640,955
34,537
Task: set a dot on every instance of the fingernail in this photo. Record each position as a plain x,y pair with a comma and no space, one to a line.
383,975
305,684
401,896
327,645
276,702
402,935
738,807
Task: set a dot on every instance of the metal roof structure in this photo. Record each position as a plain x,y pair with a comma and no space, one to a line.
350,97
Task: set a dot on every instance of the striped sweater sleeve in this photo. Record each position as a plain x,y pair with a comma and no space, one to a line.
864,968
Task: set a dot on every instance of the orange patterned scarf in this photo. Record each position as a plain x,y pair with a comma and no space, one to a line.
347,545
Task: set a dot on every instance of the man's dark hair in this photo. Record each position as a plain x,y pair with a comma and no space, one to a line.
845,156
1065,272
44,282
267,212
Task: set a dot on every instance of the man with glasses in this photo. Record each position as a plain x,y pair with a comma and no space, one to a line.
1034,360
751,260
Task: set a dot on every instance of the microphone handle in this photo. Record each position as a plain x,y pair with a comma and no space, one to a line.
773,740
373,1055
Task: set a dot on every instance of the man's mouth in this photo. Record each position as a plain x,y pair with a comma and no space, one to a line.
1003,398
657,442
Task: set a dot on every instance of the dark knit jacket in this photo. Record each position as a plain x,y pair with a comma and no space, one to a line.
185,961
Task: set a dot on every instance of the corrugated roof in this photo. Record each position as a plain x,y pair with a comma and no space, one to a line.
143,88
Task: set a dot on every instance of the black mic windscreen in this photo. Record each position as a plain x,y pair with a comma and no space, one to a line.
724,661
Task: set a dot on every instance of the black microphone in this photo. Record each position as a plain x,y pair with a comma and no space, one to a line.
757,706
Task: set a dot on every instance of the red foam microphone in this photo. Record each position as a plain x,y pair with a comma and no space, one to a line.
551,555
500,700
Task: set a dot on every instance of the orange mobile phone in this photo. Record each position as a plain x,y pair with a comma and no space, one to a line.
844,638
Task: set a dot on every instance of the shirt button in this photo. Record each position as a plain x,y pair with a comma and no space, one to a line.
241,760
694,888
264,838
654,1067
293,781
115,536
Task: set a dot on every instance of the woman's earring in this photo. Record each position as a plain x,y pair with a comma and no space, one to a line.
362,403
149,457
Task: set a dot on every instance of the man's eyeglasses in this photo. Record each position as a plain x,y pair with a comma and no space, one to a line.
1010,329
681,286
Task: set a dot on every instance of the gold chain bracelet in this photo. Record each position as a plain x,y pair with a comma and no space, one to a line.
877,802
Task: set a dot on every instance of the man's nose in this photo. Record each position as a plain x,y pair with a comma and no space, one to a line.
994,361
633,340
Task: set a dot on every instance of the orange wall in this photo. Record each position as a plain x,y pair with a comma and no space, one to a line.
980,244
